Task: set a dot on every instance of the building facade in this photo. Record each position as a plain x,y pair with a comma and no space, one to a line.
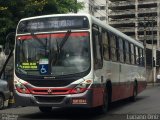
139,19
129,16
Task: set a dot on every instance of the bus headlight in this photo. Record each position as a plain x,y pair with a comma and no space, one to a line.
20,87
82,87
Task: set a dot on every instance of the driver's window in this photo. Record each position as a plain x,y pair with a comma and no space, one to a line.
97,49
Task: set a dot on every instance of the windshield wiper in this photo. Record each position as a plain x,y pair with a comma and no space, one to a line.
35,37
64,39
60,46
39,40
22,71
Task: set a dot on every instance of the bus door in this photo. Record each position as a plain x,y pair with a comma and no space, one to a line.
115,66
98,66
97,51
121,58
124,58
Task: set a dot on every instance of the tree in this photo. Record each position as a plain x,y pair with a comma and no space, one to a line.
11,11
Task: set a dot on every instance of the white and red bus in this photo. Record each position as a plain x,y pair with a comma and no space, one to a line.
75,60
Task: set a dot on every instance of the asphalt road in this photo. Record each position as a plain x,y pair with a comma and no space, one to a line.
146,106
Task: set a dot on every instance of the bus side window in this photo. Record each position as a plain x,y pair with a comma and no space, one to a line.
97,49
113,46
124,51
106,48
132,54
137,56
127,52
121,51
141,57
130,61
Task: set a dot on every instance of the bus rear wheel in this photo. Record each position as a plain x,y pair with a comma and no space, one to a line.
135,92
45,109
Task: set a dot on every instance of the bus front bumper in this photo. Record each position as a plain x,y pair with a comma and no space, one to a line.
69,100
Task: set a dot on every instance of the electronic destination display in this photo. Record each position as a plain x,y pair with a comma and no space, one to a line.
52,24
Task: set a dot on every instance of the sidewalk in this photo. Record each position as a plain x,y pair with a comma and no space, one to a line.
153,84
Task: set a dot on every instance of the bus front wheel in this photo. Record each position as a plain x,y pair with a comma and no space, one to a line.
45,109
104,108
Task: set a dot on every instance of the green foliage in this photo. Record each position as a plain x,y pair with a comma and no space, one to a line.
11,11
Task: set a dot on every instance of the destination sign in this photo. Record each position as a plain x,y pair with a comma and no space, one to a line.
52,24
29,66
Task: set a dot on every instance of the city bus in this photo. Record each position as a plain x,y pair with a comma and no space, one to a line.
75,60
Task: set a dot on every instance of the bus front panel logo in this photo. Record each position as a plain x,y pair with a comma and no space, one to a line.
49,91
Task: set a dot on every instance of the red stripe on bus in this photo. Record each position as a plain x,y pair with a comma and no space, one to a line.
57,35
52,91
72,34
119,91
46,91
97,96
124,90
25,37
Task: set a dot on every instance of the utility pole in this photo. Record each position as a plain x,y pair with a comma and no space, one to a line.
152,51
145,30
150,24
144,23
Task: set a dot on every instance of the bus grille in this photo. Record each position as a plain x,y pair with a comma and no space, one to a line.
50,83
50,91
43,99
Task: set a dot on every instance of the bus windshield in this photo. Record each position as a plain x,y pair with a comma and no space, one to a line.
54,54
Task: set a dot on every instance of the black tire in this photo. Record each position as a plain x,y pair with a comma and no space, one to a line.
135,92
105,107
1,102
45,109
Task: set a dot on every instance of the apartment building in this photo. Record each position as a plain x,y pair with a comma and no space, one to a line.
129,16
139,19
133,17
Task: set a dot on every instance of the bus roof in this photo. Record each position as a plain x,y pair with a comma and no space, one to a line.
55,15
96,21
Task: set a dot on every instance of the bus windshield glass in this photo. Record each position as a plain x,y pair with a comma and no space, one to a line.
54,54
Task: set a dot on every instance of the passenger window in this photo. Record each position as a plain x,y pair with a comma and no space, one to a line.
113,47
132,54
106,48
137,56
121,52
127,60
